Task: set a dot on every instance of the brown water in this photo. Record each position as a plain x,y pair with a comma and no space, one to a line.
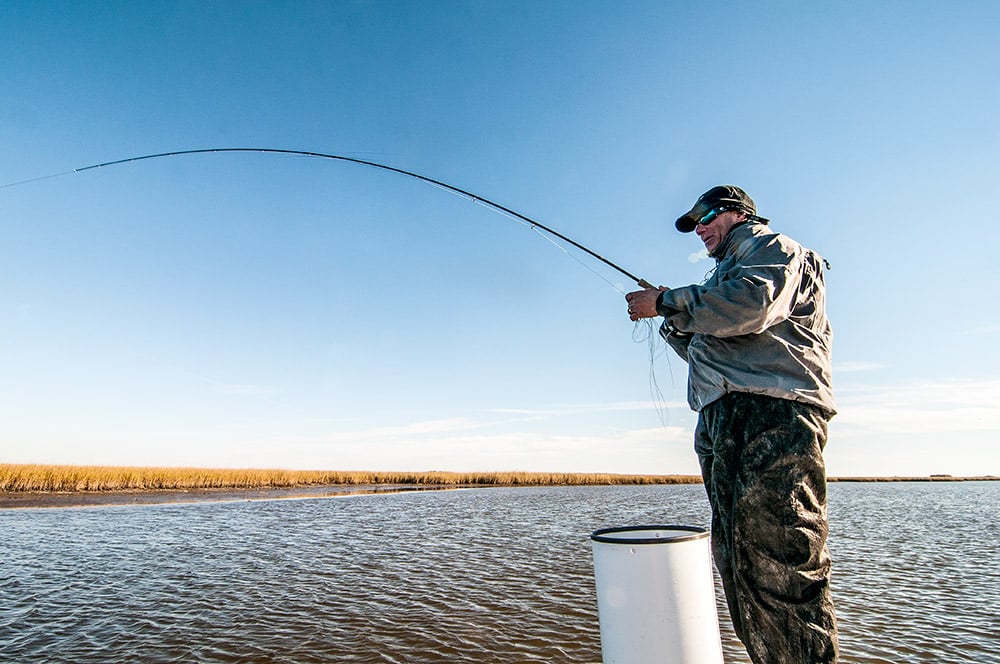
491,575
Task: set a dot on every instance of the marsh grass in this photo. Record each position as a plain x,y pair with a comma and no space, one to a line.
925,478
56,478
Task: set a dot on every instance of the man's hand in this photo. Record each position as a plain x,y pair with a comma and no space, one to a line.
642,304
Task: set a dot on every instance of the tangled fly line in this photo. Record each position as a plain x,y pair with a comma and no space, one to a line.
550,233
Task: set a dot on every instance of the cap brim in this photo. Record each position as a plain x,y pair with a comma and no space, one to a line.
686,224
689,221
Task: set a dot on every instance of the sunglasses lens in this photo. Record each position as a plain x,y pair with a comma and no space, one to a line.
707,219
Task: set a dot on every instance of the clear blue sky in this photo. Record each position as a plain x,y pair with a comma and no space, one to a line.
254,310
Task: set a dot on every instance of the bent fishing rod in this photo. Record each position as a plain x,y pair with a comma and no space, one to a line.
363,162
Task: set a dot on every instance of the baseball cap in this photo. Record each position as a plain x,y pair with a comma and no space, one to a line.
723,196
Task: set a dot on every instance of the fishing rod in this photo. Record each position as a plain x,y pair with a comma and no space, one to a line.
364,162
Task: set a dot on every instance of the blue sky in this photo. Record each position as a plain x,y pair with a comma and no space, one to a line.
271,311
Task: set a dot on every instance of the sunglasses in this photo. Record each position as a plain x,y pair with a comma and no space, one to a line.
710,217
712,214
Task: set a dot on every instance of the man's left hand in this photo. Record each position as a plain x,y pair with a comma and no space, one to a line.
642,304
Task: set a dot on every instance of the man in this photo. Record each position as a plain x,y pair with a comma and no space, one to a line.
757,343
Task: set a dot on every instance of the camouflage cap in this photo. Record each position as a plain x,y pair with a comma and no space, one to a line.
723,196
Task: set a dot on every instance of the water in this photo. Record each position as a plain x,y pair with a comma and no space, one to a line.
491,575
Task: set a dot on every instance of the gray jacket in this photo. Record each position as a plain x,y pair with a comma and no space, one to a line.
758,324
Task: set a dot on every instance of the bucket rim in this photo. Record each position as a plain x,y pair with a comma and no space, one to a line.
600,535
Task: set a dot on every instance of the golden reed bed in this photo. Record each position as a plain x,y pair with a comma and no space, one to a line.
63,478
30,477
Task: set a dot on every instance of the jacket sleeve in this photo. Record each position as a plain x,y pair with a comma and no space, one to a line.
756,293
677,341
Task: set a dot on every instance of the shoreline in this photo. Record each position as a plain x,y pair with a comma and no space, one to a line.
116,497
45,499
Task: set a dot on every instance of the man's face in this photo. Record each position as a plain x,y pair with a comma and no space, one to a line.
715,232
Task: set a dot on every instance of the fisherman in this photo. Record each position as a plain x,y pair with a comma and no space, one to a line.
757,343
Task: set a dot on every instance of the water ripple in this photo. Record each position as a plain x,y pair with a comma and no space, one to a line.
497,575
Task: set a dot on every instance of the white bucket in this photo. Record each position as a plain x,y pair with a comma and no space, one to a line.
656,595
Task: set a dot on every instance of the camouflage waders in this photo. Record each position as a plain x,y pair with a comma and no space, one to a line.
762,462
